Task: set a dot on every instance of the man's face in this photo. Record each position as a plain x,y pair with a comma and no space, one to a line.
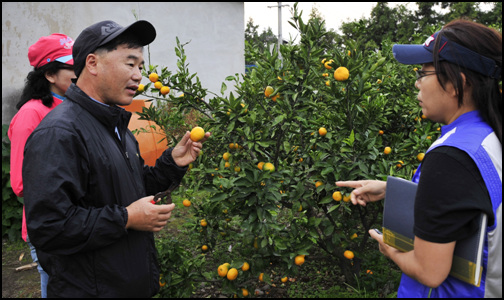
119,74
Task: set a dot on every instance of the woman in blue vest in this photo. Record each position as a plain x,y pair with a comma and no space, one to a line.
461,174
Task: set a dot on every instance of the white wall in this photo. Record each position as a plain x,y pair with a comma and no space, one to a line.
215,30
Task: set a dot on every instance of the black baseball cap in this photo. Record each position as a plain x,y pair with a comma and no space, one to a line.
448,51
103,32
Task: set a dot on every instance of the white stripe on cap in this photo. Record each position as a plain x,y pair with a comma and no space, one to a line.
64,59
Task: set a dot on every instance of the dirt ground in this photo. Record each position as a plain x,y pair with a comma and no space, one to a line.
22,284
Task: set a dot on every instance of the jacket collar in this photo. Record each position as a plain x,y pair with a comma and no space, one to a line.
110,116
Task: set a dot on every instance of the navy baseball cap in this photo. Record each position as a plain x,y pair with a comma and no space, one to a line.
103,32
448,51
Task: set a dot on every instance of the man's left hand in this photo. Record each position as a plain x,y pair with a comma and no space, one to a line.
187,151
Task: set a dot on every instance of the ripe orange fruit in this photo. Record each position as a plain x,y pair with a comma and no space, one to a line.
222,270
380,132
186,203
284,280
420,156
399,164
227,165
204,247
165,90
387,150
197,133
141,87
163,283
354,236
226,156
203,223
261,276
327,64
274,98
158,85
348,254
245,292
237,169
322,131
245,266
153,77
318,183
299,260
268,91
341,74
260,165
347,198
269,167
337,196
232,274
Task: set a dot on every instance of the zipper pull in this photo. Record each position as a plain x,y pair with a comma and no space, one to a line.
127,155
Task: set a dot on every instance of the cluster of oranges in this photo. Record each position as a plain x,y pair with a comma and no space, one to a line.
268,91
154,78
266,166
340,74
338,196
231,274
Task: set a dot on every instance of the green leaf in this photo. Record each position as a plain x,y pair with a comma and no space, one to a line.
350,140
327,171
334,207
278,119
329,230
230,127
219,197
326,200
223,88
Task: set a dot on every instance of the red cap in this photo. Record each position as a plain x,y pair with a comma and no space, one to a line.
55,47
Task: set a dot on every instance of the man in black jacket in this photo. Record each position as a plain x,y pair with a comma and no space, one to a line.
86,186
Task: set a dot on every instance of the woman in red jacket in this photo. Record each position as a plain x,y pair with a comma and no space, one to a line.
45,87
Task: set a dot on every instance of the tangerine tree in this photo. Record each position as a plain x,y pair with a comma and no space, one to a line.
270,165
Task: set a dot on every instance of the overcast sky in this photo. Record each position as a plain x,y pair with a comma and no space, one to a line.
334,13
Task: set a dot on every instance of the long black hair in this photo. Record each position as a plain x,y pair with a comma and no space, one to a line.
38,87
486,91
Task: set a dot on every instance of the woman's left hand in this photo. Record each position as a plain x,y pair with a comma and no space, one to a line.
387,250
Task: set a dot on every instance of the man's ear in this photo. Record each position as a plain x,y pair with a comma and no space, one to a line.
92,61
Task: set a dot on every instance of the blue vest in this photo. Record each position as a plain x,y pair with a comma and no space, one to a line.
472,135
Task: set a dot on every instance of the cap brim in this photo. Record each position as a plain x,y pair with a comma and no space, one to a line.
66,59
412,54
142,29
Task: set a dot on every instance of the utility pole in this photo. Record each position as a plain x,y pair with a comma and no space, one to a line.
280,40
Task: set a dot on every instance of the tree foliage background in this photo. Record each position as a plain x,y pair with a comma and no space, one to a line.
398,24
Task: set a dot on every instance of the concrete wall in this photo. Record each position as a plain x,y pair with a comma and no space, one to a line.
215,30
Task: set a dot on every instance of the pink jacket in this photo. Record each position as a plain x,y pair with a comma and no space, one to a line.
21,126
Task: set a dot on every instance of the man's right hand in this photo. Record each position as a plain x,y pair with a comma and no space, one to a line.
144,216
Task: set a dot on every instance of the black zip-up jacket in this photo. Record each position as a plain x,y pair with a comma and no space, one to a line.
78,178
